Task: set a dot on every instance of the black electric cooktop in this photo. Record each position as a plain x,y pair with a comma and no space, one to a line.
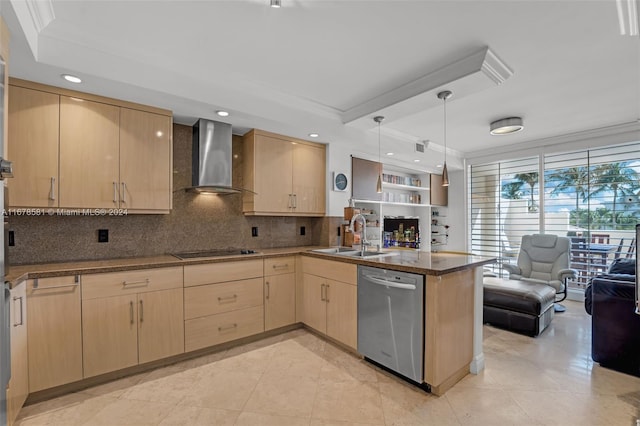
212,253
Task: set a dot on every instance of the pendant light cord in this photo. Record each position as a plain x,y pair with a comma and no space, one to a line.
445,130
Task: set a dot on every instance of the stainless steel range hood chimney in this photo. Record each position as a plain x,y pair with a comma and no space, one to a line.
211,165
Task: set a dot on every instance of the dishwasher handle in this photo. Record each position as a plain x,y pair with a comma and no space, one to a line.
387,283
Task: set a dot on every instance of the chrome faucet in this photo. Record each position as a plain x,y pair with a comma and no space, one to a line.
363,239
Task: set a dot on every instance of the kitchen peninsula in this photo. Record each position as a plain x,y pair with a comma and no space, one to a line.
257,294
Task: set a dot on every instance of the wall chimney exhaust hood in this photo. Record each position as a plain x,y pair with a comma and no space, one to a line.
211,165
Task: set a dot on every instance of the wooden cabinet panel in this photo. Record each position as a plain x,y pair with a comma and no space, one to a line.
130,282
272,166
338,271
160,324
213,299
313,304
145,160
215,329
19,383
54,332
109,330
342,312
286,175
279,265
209,273
448,319
279,300
309,182
32,145
89,156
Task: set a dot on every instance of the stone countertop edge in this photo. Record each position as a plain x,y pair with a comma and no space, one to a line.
20,273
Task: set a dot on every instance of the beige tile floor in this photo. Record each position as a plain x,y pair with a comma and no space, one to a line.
299,379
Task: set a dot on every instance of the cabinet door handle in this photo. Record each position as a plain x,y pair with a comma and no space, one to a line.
285,266
124,193
35,286
229,298
295,201
52,191
267,285
141,311
326,294
228,327
16,324
322,292
290,205
131,311
143,282
115,192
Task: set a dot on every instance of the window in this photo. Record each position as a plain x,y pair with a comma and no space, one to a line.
591,196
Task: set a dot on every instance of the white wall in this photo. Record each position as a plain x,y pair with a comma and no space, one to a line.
457,212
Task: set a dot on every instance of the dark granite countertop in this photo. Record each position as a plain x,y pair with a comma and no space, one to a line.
403,260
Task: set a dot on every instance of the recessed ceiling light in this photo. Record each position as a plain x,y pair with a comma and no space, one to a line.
275,4
506,126
222,113
389,153
439,165
313,135
71,78
416,161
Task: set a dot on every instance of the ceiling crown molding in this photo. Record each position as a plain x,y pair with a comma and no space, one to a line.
33,16
473,73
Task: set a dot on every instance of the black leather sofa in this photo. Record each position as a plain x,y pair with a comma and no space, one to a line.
615,328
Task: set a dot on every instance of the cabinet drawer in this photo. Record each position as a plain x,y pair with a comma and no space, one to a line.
337,271
210,273
279,265
213,299
215,329
130,282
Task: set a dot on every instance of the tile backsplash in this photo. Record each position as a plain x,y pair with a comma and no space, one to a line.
196,222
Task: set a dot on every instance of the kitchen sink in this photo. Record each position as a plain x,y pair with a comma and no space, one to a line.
370,254
336,250
346,251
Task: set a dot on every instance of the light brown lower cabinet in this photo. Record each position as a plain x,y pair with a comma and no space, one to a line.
54,331
130,318
19,384
330,306
223,302
279,292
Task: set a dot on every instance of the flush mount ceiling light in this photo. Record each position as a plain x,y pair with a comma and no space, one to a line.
444,95
378,119
275,4
628,17
506,126
71,78
222,113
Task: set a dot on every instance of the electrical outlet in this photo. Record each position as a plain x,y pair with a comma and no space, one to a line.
303,230
254,231
103,235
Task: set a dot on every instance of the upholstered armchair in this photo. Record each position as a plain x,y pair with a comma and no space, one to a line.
544,259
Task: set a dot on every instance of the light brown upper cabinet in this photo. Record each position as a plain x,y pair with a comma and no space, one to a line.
439,193
88,153
34,123
286,175
145,160
80,151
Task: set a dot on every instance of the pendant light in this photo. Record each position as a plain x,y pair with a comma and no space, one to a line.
378,119
444,95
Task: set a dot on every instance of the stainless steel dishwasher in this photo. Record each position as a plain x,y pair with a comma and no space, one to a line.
391,320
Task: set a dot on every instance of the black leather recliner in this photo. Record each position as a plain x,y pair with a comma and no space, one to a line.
615,327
